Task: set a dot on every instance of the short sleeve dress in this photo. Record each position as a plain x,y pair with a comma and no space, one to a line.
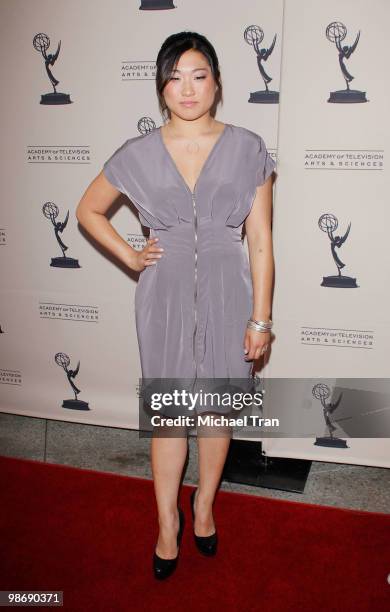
191,308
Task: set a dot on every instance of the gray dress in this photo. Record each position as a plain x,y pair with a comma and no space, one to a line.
192,307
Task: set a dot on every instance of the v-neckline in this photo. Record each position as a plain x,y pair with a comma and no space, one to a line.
212,150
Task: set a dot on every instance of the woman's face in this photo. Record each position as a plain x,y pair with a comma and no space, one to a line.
190,92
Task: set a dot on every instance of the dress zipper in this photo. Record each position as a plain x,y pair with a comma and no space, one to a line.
196,280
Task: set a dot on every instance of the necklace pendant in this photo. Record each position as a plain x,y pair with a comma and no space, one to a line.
192,147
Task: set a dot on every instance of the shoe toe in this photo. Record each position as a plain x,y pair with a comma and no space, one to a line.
207,545
163,567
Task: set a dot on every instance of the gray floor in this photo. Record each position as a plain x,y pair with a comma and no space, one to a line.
124,452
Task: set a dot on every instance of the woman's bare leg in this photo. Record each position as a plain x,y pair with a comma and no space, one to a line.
168,456
213,446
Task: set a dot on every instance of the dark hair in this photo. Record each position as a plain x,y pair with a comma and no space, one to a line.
168,56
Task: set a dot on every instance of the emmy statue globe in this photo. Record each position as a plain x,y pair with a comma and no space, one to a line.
254,35
335,33
50,211
328,223
145,125
156,5
321,392
62,359
41,43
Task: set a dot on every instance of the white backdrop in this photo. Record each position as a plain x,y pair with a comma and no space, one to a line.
52,152
331,159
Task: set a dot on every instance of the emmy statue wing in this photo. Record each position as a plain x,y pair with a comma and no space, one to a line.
65,221
333,407
343,238
271,48
353,47
57,52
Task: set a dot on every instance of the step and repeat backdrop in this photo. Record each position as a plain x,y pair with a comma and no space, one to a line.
310,78
331,221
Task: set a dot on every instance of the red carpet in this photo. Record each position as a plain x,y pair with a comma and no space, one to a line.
91,535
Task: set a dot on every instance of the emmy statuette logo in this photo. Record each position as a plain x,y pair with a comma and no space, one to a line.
62,360
321,392
41,43
254,35
335,33
328,223
50,211
156,5
145,125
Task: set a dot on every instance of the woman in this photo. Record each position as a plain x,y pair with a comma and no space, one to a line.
202,309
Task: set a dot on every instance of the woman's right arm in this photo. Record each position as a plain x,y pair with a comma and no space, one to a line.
90,213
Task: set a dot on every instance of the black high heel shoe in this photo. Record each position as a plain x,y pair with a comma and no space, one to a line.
165,567
207,545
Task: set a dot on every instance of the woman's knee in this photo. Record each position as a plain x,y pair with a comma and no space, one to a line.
214,427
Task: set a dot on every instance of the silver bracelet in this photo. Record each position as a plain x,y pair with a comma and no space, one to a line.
260,326
268,323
